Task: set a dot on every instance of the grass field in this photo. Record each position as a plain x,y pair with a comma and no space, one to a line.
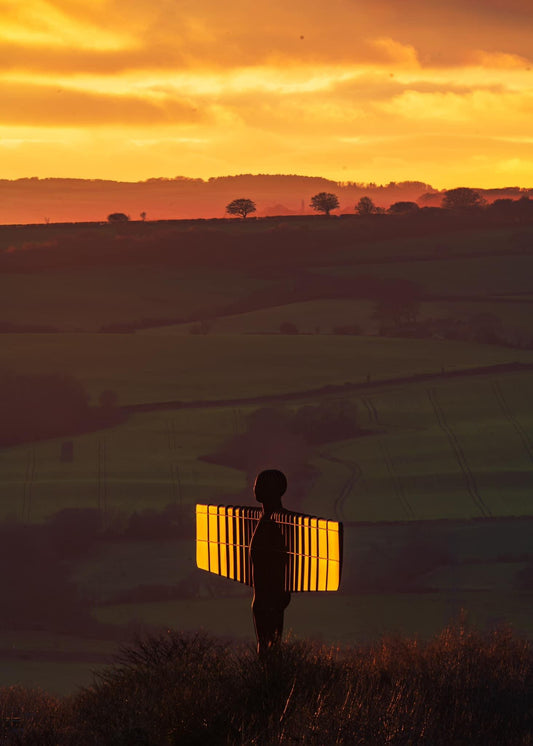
478,275
338,618
71,300
411,469
149,368
514,320
448,450
310,317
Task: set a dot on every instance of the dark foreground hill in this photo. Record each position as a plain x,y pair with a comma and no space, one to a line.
463,687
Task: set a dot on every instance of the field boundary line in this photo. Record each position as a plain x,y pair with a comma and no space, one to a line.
470,481
327,390
506,409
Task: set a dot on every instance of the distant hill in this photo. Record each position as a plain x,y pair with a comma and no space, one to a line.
34,200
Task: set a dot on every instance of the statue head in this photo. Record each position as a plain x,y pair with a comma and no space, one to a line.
270,485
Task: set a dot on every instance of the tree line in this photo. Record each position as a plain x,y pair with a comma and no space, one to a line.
461,198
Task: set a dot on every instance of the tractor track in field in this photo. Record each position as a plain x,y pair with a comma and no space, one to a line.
29,478
356,475
395,479
470,481
328,390
172,442
102,497
371,409
508,413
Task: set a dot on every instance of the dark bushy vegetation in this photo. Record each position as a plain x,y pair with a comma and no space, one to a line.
463,687
287,438
33,407
37,580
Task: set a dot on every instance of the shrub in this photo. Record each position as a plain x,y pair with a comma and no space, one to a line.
287,327
30,716
463,687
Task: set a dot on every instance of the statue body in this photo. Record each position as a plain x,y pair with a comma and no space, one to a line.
273,550
268,555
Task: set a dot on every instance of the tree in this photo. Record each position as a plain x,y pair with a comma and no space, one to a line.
118,217
287,327
398,305
242,207
462,198
403,208
324,202
366,206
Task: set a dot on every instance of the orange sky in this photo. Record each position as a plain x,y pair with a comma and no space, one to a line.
439,91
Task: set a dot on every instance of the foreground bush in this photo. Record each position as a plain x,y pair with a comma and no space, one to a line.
30,716
464,687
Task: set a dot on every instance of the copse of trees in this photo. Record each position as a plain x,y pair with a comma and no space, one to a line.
403,208
324,202
462,198
34,407
118,217
241,207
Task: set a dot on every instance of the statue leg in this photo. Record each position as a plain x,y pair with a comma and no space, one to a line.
268,621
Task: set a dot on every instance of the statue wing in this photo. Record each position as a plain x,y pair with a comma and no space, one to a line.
314,546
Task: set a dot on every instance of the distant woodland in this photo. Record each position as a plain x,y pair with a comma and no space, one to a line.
33,200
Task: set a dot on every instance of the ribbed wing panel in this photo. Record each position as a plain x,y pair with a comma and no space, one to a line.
223,536
314,546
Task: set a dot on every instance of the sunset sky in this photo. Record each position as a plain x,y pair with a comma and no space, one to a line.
434,90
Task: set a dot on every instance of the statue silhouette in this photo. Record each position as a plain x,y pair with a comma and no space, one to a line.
268,555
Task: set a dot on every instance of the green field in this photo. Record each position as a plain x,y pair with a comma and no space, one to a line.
513,319
149,368
475,275
74,300
310,317
475,462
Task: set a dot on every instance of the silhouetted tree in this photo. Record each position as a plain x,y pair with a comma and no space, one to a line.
398,305
324,202
287,327
365,206
242,207
462,198
403,208
118,217
143,216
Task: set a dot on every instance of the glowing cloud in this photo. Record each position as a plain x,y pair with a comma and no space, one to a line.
438,91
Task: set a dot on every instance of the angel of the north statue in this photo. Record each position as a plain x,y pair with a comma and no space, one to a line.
275,551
